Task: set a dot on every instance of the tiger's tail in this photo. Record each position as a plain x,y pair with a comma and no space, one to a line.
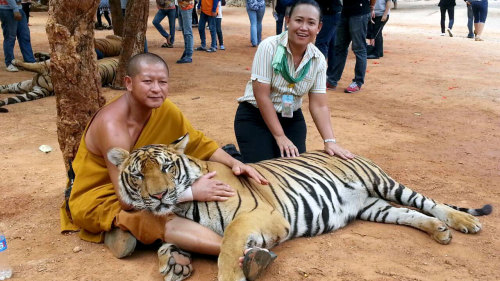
484,211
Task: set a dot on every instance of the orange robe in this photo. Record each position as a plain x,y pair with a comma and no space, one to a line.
93,203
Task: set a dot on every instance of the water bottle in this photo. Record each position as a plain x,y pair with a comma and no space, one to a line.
5,269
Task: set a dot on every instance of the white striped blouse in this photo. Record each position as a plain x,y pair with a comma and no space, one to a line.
314,82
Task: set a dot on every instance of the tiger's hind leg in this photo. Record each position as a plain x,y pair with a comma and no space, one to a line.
169,263
259,228
379,210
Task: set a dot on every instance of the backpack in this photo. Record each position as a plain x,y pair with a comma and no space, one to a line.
255,5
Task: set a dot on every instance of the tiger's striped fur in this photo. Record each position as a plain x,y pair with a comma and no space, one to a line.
306,196
41,84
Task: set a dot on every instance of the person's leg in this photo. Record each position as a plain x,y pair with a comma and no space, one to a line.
192,237
295,129
24,39
279,23
379,38
9,29
255,141
218,24
252,16
194,16
260,16
325,34
26,9
108,19
171,24
357,29
331,49
99,20
201,29
187,32
470,21
160,15
342,41
443,17
213,32
451,16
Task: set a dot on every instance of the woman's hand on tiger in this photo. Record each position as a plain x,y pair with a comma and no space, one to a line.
208,189
286,146
243,169
335,149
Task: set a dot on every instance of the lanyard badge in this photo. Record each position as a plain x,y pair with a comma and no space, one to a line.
287,103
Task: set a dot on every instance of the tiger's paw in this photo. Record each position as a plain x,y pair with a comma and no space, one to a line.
440,232
174,264
463,222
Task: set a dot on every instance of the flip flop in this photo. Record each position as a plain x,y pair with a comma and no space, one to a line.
256,261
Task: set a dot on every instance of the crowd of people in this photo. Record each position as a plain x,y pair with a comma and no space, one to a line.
307,56
477,11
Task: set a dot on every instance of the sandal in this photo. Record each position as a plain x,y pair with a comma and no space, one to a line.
256,260
167,45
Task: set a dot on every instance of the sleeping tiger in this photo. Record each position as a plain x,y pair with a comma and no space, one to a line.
306,196
41,84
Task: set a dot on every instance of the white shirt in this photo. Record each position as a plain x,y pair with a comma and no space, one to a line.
314,82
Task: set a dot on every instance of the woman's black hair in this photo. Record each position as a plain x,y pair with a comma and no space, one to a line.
306,2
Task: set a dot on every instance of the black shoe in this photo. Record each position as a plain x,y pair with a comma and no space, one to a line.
371,57
200,49
185,60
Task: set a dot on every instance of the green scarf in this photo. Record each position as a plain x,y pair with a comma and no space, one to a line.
280,65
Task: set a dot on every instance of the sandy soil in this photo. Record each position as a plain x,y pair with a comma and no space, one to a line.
429,114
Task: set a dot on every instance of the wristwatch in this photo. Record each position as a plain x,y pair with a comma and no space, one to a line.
330,140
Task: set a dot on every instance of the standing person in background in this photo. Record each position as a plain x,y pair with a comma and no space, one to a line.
26,8
375,49
256,10
208,11
185,19
103,10
470,20
15,24
352,27
166,8
195,15
280,8
480,10
218,25
269,122
123,5
447,5
325,41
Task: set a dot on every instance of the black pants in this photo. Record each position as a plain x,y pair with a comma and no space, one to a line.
256,142
451,16
26,10
375,32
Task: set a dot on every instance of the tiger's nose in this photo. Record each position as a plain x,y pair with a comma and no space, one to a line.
159,195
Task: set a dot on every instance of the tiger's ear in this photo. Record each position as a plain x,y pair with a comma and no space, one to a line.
117,155
181,143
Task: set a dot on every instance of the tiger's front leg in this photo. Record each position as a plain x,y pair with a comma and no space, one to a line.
258,228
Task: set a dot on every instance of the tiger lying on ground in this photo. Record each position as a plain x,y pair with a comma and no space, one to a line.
306,196
41,84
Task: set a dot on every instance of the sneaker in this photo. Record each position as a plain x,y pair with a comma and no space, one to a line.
200,48
449,32
330,86
120,243
222,47
212,50
185,60
12,68
471,35
353,88
478,38
372,57
443,34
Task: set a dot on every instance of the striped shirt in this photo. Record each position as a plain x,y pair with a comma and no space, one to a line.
314,82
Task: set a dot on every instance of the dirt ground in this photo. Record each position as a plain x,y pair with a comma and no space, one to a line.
429,114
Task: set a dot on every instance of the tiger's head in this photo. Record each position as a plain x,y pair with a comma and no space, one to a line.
152,177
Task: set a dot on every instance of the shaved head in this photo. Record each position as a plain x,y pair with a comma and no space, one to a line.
133,66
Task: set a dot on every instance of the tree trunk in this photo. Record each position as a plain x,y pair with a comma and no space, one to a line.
134,36
70,30
116,16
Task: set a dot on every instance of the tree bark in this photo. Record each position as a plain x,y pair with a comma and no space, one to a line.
134,36
70,30
116,16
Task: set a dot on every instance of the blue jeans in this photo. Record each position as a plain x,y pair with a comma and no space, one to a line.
256,25
12,29
218,24
480,9
351,28
204,18
470,20
185,18
325,41
160,15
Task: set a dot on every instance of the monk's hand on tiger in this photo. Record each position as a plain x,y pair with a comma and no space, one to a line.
286,146
335,149
208,189
243,169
